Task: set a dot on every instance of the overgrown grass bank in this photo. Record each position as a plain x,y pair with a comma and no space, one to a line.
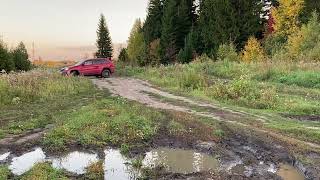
35,99
281,87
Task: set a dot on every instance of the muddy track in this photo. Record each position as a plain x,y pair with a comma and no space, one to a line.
145,93
138,90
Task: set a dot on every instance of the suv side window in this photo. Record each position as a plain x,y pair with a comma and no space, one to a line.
100,61
87,63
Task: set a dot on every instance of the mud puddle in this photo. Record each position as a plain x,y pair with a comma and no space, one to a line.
288,172
75,162
25,162
116,166
180,161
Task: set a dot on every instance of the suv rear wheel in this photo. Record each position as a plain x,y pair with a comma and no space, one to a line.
106,73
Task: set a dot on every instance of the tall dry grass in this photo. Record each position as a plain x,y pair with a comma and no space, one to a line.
39,85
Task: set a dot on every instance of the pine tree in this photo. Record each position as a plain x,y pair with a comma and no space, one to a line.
136,44
6,62
20,58
168,48
104,42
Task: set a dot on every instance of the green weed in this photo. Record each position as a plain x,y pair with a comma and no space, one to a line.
44,171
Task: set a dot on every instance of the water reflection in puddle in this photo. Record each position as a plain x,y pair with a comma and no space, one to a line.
180,161
4,156
288,172
116,166
23,163
75,162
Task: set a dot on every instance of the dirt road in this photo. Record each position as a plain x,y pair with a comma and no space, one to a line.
147,94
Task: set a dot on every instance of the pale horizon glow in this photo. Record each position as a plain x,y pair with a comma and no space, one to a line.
66,29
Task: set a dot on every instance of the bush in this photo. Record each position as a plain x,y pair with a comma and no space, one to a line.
273,44
244,92
227,52
253,52
305,43
190,79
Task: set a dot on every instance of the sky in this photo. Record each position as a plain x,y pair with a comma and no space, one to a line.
66,29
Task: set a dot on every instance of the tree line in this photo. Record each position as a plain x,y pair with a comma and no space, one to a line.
16,59
179,30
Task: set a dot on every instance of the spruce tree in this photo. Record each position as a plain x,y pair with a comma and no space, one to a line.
186,54
248,20
123,56
104,43
20,58
217,24
168,47
153,23
6,62
184,22
225,21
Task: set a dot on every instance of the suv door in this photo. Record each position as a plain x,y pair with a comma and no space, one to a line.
87,68
97,66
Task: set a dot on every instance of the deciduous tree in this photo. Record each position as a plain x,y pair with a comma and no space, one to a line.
286,16
136,44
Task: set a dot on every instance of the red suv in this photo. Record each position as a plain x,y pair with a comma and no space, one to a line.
92,67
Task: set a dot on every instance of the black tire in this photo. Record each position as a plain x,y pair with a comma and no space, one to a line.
106,73
74,73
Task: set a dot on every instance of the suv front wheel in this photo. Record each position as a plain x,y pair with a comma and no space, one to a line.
106,73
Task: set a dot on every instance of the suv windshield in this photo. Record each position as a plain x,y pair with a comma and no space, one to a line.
79,63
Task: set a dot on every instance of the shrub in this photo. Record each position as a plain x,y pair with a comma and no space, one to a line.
273,44
244,92
190,79
305,43
253,52
227,52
